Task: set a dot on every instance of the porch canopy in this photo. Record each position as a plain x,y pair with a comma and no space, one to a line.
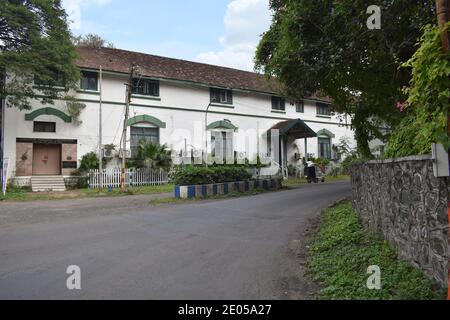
295,128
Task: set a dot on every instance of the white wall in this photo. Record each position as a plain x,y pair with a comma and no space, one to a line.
181,107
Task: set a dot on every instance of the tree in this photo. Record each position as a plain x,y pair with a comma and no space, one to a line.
342,148
93,41
35,48
428,104
152,155
325,47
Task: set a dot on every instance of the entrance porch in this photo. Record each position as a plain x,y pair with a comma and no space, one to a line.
289,131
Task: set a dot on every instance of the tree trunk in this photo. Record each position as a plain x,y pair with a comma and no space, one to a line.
361,134
443,13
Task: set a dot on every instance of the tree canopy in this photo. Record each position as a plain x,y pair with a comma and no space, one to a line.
35,48
325,46
92,40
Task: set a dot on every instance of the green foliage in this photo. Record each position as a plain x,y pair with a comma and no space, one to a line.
151,155
15,193
89,161
342,250
92,40
74,108
343,146
192,175
321,162
35,44
326,43
428,100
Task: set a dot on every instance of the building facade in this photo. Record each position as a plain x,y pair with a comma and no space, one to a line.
172,101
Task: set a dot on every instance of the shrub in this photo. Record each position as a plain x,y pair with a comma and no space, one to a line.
321,163
191,175
152,155
427,106
89,161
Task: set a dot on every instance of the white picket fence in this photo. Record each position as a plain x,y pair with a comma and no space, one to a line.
133,177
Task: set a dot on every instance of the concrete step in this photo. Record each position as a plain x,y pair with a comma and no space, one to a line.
47,183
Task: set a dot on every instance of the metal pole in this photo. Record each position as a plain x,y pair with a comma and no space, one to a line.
206,135
100,119
129,85
2,126
306,149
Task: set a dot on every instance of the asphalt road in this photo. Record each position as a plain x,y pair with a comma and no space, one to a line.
126,249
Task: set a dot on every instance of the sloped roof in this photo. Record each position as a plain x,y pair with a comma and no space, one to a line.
295,128
118,60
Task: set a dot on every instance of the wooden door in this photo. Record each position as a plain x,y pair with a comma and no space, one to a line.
46,159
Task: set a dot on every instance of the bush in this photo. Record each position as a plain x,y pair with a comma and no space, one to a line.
89,161
191,175
426,109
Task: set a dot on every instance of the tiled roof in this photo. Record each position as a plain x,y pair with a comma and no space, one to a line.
118,60
167,68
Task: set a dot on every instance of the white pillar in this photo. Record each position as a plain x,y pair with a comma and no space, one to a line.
306,149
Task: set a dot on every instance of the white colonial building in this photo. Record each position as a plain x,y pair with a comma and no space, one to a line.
168,106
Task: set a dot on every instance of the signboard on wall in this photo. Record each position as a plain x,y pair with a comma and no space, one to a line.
5,164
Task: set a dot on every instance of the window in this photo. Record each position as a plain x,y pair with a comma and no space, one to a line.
278,104
52,78
89,81
222,145
142,134
146,87
323,109
221,96
325,148
300,106
40,126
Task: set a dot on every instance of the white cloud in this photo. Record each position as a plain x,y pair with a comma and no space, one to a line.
73,9
245,21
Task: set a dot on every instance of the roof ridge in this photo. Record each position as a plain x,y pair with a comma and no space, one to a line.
175,59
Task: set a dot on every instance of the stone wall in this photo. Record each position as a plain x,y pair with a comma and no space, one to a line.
403,200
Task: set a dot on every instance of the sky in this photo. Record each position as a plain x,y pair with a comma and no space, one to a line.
220,32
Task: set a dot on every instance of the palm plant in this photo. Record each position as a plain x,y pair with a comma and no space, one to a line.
152,155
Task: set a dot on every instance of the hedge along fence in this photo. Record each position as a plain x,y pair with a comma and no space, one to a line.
190,175
193,182
403,200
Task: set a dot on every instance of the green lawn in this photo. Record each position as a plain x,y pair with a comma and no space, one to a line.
25,194
340,252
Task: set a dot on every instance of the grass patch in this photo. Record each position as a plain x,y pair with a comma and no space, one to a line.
341,251
15,194
25,194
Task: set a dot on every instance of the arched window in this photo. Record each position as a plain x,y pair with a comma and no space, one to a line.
324,143
222,147
144,128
